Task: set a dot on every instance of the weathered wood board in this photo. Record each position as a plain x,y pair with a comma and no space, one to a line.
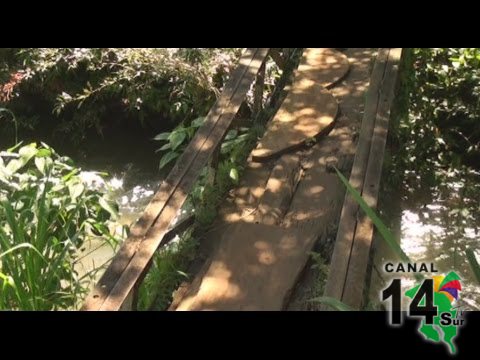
348,268
309,110
324,66
253,267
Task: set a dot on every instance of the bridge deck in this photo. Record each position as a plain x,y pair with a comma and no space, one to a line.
284,203
288,198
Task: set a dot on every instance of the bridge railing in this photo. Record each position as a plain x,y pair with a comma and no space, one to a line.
117,288
349,267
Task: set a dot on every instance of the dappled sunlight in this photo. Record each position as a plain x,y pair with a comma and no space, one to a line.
266,256
309,110
317,189
255,263
274,185
254,280
416,234
293,127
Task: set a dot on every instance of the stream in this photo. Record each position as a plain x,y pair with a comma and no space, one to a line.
124,164
439,232
131,188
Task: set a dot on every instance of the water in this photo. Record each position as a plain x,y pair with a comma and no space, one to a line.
436,226
131,186
428,235
127,157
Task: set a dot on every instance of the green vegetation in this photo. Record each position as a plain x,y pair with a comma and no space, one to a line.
473,264
71,95
170,266
433,155
91,88
435,148
46,215
167,272
437,136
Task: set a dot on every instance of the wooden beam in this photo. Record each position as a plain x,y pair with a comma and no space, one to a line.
149,232
279,190
362,242
348,218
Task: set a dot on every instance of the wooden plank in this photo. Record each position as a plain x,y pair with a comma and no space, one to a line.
259,279
178,194
139,229
346,230
295,123
326,66
272,256
279,190
357,269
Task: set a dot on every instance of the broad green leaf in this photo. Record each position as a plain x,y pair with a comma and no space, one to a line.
168,158
58,187
27,152
13,166
333,303
198,121
162,136
234,175
69,175
40,164
7,281
232,134
177,138
167,146
3,170
76,189
44,153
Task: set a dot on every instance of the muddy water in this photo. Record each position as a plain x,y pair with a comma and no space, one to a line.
435,232
131,186
432,234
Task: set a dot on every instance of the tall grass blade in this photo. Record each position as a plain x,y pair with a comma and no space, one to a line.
381,227
472,260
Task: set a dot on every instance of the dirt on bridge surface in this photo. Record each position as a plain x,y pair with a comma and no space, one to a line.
288,201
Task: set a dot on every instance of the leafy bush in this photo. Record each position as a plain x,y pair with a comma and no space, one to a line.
167,272
176,141
46,214
442,129
436,158
83,86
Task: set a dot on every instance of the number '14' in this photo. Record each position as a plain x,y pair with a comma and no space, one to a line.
417,307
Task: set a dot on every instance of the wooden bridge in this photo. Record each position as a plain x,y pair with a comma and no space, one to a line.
288,197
